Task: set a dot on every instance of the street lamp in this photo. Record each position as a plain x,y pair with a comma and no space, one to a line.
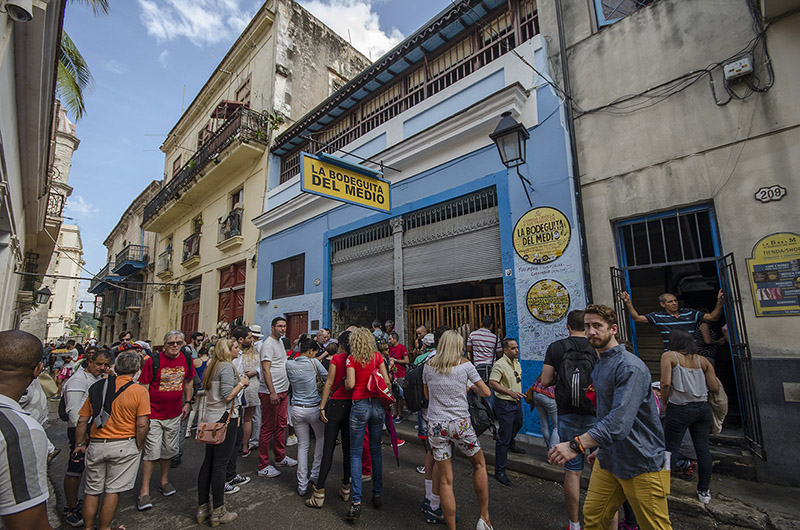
42,296
511,137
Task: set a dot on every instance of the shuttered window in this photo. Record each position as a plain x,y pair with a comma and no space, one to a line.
362,262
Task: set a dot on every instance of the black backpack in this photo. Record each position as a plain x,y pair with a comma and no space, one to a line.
62,408
157,363
481,414
101,399
573,379
414,388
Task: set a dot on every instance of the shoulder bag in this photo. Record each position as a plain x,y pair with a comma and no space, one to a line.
213,433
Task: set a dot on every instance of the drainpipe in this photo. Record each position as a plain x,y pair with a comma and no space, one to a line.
576,179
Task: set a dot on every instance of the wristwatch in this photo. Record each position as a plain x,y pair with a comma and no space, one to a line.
576,446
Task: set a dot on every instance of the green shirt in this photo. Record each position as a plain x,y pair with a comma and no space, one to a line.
508,374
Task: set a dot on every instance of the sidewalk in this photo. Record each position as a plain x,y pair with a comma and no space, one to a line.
735,502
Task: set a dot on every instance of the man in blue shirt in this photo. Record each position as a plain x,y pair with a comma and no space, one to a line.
673,317
631,461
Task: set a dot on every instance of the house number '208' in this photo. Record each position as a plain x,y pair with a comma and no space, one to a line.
771,193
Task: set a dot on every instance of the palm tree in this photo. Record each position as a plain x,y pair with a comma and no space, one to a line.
74,78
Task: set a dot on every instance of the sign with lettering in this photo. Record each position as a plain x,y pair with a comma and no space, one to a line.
541,235
548,300
774,274
344,181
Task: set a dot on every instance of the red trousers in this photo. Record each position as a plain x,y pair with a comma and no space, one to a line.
273,428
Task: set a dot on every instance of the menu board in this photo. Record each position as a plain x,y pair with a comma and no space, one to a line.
774,274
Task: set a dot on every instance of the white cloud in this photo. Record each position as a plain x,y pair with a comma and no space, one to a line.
356,21
203,22
114,67
162,58
77,205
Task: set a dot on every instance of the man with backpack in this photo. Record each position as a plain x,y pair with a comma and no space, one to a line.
118,411
73,395
568,365
168,377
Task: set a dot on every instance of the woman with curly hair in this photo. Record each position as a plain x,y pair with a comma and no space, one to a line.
366,415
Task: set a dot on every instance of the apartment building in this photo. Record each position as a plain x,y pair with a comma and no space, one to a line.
216,164
124,287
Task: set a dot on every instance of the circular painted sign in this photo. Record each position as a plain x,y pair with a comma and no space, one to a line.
548,301
541,235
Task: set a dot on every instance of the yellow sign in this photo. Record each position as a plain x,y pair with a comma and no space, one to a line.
548,301
344,181
774,274
541,235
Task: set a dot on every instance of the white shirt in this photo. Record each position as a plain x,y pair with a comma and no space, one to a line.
22,441
75,390
272,350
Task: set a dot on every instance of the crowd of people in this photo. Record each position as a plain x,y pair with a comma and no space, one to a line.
128,407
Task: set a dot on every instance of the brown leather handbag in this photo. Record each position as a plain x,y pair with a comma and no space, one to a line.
213,433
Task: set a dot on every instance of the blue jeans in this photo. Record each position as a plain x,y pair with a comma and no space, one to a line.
509,416
366,415
698,419
570,426
548,413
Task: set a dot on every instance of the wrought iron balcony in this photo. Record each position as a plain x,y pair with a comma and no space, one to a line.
55,203
102,279
131,259
244,125
191,247
164,264
230,226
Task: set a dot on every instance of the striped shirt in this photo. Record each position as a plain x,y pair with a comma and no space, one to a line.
686,320
485,346
23,461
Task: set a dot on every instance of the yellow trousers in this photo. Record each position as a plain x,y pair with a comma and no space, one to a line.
647,494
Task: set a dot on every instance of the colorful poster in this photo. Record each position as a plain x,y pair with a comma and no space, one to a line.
774,273
541,235
548,301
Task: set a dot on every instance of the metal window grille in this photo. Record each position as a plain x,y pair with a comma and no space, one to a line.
374,239
473,203
663,240
494,36
610,11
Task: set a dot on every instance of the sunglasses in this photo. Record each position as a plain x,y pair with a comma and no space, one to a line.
174,343
519,379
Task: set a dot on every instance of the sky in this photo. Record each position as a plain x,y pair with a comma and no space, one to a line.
149,58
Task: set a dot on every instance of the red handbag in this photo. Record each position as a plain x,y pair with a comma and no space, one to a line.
376,385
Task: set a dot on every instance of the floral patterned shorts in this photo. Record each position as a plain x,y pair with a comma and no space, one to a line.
443,434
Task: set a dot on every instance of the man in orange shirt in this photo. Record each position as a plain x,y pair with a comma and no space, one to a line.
112,455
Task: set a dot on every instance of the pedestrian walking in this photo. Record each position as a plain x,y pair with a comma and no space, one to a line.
24,493
273,392
631,461
483,347
399,361
248,363
543,399
306,375
168,377
75,391
366,415
446,376
686,379
334,412
222,385
506,382
113,450
568,364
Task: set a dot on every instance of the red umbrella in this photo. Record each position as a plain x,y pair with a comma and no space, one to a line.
392,434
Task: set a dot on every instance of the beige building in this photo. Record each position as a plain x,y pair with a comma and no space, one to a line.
123,288
686,132
66,264
216,165
30,208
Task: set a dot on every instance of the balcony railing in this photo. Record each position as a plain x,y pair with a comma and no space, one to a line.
132,253
191,247
55,203
164,261
244,125
230,225
100,276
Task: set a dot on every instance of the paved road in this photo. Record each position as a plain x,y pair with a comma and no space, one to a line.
531,504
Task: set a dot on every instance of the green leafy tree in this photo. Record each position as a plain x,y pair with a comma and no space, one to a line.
74,79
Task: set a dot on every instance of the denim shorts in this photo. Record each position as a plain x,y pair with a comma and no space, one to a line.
570,426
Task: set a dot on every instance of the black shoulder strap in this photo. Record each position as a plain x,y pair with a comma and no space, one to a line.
156,365
122,389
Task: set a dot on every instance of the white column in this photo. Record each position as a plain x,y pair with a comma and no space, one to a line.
399,293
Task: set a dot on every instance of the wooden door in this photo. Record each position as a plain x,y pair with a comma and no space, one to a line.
190,318
231,292
296,325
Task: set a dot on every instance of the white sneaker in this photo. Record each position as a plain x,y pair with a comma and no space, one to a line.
287,461
704,496
482,525
269,472
291,440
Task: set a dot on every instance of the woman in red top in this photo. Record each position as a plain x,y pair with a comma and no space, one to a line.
367,414
336,418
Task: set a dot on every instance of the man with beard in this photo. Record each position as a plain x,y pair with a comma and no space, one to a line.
630,463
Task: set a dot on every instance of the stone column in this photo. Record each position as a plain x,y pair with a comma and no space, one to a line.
399,293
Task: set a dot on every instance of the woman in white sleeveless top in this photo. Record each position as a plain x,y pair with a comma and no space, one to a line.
686,379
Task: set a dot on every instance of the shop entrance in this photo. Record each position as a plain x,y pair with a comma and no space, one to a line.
679,252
